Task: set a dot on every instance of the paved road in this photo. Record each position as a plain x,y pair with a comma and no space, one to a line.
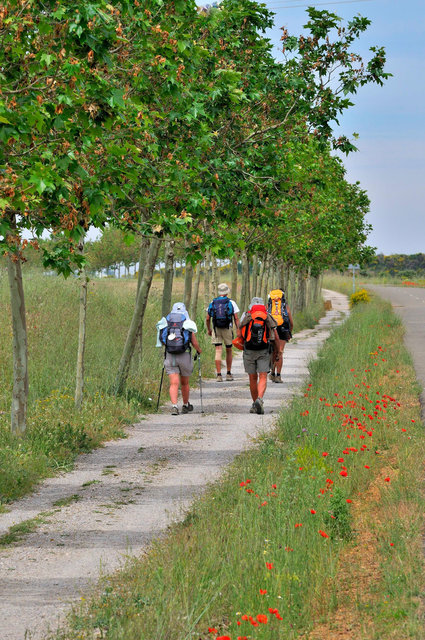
409,303
127,492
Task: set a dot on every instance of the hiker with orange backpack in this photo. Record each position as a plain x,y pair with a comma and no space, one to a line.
281,313
258,331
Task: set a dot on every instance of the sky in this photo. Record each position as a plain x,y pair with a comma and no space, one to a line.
390,120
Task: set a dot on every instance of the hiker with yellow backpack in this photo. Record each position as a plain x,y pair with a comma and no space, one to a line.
281,313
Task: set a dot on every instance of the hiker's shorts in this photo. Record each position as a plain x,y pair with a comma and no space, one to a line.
284,334
220,336
180,363
256,361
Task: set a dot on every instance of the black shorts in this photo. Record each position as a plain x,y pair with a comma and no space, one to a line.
284,334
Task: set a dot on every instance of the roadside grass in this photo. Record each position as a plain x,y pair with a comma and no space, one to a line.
317,525
57,433
344,283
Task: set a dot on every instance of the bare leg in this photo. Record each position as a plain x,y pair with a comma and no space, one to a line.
218,358
253,387
229,358
262,384
279,362
185,388
174,387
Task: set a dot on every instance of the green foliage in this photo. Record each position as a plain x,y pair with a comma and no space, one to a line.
338,518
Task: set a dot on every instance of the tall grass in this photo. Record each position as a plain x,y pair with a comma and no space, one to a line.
260,554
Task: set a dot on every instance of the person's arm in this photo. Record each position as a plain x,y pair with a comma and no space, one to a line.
195,343
208,323
235,315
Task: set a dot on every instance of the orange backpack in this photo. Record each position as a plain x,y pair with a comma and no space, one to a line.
256,332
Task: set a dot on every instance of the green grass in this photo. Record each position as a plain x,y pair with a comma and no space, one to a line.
259,529
19,531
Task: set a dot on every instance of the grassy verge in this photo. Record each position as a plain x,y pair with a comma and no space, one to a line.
318,525
56,433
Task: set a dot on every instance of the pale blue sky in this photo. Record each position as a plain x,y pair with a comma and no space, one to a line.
390,163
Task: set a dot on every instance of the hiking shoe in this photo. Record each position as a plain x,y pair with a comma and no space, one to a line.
175,411
229,377
219,377
186,408
253,408
272,377
277,378
259,406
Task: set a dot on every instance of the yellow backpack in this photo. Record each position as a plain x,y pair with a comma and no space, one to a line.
277,306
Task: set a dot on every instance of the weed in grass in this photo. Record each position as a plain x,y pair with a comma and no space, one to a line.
64,502
109,469
89,483
19,531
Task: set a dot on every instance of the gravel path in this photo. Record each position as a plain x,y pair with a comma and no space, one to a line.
127,492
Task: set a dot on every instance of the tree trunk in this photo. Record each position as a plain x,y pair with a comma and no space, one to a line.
136,325
79,384
188,279
301,290
245,282
254,275
207,280
20,349
168,277
291,283
144,247
194,304
215,275
234,270
261,277
267,279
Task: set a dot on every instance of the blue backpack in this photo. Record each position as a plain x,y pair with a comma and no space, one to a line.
173,336
221,312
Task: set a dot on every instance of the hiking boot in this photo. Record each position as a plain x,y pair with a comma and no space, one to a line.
277,378
186,408
219,377
259,406
229,376
253,408
175,411
272,377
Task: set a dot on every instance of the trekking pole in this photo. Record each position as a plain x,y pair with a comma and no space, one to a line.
198,358
160,386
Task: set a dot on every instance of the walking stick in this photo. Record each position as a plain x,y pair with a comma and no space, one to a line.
198,357
160,386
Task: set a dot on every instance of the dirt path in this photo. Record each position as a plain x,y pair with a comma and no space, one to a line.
121,496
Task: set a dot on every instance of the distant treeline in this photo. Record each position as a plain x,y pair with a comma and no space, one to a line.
399,265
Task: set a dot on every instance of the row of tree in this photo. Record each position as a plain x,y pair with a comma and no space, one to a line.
180,127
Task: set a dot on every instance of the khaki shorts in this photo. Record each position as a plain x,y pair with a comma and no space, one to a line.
180,363
220,336
256,361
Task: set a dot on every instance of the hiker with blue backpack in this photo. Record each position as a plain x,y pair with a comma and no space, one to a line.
177,333
222,312
260,345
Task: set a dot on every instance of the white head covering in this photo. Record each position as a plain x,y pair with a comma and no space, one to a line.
179,307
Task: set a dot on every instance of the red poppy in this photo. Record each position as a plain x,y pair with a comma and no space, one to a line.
325,453
223,638
262,618
343,473
386,479
312,511
298,524
348,500
263,591
269,565
274,486
323,534
366,466
212,630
